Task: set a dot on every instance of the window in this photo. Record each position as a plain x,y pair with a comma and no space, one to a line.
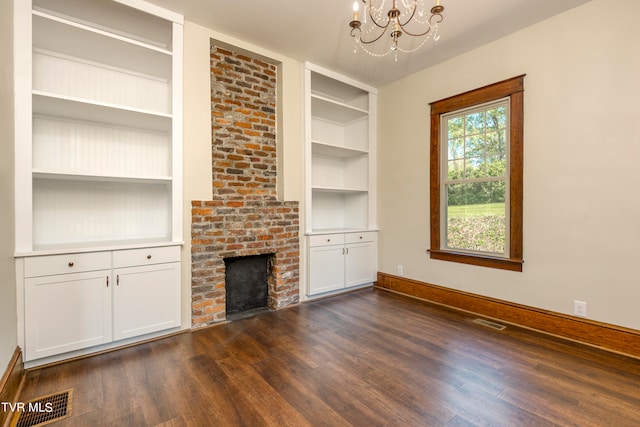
476,176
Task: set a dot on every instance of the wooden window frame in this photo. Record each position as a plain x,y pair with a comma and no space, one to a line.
513,89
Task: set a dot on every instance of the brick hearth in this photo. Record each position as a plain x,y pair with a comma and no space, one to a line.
244,217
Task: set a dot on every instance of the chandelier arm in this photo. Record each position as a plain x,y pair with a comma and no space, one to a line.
416,35
377,38
439,20
437,15
413,12
417,47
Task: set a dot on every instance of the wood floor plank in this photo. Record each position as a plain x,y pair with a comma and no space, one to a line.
368,358
258,394
296,391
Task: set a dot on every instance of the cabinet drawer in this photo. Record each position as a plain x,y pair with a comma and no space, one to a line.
368,236
146,256
65,264
326,240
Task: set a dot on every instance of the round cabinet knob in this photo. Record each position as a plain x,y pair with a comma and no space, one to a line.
148,256
70,263
360,237
328,240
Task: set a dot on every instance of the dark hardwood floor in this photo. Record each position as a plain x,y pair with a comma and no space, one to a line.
368,358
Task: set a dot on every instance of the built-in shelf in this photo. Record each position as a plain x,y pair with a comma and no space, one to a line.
340,153
340,190
115,17
103,162
83,211
65,37
97,246
347,93
49,175
50,104
336,111
331,150
342,230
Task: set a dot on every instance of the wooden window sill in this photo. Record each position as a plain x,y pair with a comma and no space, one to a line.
479,260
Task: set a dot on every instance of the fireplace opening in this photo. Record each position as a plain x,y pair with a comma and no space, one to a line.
247,285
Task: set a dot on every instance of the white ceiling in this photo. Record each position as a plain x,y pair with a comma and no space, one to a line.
318,31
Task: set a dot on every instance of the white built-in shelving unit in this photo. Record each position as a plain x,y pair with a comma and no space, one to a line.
98,147
340,179
104,152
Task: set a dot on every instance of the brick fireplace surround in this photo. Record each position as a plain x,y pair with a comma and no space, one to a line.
244,217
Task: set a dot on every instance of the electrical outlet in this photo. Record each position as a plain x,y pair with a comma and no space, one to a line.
400,270
580,308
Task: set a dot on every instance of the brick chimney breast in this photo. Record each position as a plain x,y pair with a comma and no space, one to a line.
244,217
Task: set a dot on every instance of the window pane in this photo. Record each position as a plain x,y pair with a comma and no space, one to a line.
456,148
455,169
496,166
455,127
476,193
476,217
474,123
496,142
474,167
474,146
496,118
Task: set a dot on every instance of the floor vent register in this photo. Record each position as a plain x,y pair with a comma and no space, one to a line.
489,324
44,410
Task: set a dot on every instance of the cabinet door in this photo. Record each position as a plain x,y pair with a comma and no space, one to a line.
360,263
146,299
67,312
326,269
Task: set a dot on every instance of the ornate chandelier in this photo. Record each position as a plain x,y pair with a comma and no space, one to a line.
410,17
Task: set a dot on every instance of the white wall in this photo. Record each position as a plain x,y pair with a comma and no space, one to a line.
197,131
581,170
8,319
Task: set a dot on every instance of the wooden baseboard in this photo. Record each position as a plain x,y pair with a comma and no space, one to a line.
602,335
11,384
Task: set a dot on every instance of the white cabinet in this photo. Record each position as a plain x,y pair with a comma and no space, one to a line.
326,263
67,312
81,300
67,303
147,292
340,192
146,299
361,258
339,261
